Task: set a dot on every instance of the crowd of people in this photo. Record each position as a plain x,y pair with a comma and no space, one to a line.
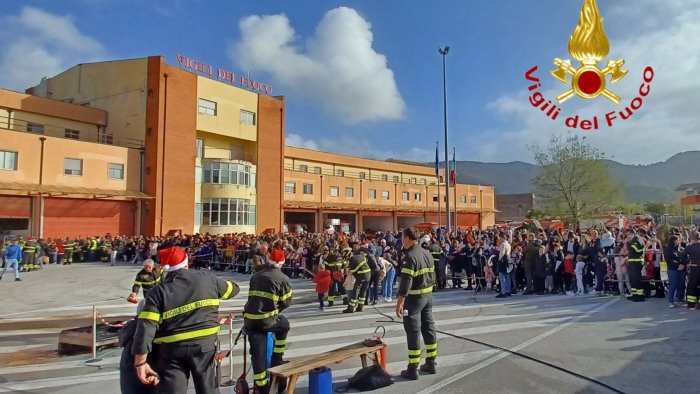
502,259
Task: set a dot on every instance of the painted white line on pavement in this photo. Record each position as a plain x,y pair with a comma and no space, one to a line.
436,387
31,331
15,387
12,349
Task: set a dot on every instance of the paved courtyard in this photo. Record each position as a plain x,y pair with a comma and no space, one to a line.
568,343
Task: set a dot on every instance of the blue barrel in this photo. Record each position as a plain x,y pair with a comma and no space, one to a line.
270,347
320,381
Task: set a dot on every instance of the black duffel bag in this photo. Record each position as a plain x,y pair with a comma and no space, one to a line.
370,378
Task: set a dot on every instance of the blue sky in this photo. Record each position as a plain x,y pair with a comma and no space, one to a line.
366,79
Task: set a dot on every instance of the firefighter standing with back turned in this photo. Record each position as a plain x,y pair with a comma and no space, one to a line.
415,305
691,256
636,261
359,268
270,293
179,318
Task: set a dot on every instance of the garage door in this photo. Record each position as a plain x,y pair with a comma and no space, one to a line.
467,220
73,217
15,207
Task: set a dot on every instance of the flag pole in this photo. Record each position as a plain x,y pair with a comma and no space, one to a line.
437,178
454,183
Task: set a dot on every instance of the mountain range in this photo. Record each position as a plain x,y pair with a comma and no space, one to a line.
642,183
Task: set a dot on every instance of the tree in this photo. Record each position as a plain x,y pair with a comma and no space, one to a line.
574,177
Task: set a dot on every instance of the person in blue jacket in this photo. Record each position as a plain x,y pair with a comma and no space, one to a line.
13,255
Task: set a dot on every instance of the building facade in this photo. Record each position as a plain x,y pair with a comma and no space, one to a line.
514,207
198,154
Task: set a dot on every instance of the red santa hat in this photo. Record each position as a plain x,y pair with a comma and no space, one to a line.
277,257
173,259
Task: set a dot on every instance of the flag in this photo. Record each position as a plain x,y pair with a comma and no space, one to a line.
437,161
453,170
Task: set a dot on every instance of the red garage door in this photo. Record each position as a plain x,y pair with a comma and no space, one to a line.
467,220
73,217
15,207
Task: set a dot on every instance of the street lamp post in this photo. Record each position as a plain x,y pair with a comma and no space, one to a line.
444,51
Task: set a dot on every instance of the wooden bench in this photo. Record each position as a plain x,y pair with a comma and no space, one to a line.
302,365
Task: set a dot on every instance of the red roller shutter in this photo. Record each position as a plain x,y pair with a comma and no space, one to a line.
15,207
73,217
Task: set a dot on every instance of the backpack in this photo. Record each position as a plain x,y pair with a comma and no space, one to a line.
370,378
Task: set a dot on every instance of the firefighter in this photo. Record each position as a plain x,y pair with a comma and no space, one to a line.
691,256
68,249
438,255
335,265
178,321
360,270
415,305
92,249
270,293
636,261
147,279
29,252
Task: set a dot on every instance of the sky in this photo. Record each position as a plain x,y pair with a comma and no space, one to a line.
365,77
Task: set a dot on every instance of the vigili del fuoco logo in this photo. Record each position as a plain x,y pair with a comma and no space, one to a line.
589,45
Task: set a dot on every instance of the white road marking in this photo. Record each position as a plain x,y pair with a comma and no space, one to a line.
436,387
12,349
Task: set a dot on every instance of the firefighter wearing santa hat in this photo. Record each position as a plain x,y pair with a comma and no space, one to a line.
270,293
179,322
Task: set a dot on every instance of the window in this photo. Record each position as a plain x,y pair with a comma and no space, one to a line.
72,134
116,171
73,166
372,194
463,199
207,107
405,196
385,177
385,194
199,145
104,138
413,181
198,214
423,181
227,173
417,196
317,170
247,117
473,199
363,175
396,178
227,212
290,187
340,172
35,128
435,198
308,188
8,160
335,191
304,168
349,192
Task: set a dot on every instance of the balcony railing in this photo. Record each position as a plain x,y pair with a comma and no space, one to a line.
99,137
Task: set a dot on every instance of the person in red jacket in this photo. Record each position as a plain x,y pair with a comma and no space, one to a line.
569,273
323,284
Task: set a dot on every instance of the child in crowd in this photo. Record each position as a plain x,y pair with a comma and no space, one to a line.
541,271
549,273
349,284
603,261
489,276
323,284
580,269
569,273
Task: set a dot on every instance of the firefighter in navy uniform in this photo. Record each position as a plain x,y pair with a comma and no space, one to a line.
147,279
438,255
415,305
691,257
178,321
359,268
68,249
335,265
636,262
270,293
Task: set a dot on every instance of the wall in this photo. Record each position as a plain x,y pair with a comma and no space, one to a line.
270,176
116,86
230,101
170,136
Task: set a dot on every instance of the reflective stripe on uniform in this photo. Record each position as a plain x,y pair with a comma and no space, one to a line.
422,271
640,260
692,299
363,263
426,290
636,248
188,335
414,356
229,290
190,307
273,297
256,316
153,282
150,316
260,376
431,350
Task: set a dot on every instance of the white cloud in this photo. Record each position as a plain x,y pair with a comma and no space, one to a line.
299,142
337,66
37,44
645,34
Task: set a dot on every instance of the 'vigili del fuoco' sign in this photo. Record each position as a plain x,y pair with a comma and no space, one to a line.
222,75
589,45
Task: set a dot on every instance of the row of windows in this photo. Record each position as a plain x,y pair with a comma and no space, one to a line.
227,173
208,107
224,212
363,175
38,128
71,166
